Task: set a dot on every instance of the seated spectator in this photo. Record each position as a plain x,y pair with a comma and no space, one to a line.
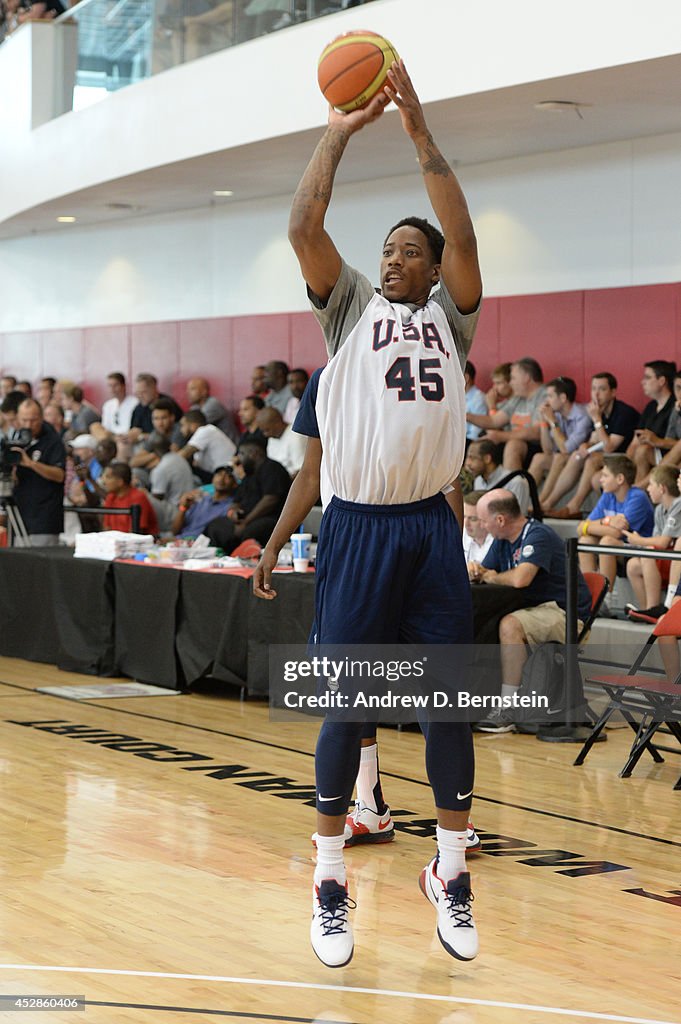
259,382
621,507
482,463
196,509
80,414
44,392
276,381
517,425
116,481
647,575
164,428
475,400
525,554
297,381
476,540
7,383
283,444
170,477
650,437
117,411
54,415
40,475
41,10
248,414
8,412
501,390
147,394
199,397
26,387
613,428
82,487
258,501
566,425
105,454
205,447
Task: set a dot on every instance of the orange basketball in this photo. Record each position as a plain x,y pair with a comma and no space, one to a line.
353,68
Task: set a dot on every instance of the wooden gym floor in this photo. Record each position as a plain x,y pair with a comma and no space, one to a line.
156,860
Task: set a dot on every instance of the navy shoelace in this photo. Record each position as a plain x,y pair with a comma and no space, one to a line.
459,906
334,911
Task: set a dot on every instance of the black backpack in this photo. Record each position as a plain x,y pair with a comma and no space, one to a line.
543,676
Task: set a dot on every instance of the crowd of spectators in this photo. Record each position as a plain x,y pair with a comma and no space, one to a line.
184,467
202,468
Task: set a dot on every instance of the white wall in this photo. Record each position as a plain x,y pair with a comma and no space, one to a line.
602,216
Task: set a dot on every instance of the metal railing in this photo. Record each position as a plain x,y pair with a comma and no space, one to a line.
134,512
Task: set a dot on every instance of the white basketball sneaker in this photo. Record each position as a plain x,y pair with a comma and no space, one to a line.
452,899
330,932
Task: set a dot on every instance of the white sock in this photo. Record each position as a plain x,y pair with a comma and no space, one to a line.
330,863
671,594
507,690
367,777
451,848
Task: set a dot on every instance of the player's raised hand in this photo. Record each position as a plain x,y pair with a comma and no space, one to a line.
403,94
356,119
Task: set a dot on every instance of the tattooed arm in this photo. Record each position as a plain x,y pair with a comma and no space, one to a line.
460,270
318,257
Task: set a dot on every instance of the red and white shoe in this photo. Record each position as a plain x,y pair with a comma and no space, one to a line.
473,843
366,826
452,900
331,932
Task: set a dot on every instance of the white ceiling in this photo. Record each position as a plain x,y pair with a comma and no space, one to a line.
624,102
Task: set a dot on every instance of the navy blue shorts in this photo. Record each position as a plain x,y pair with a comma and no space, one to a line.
391,574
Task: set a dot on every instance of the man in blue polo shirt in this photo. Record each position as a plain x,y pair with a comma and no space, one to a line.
527,554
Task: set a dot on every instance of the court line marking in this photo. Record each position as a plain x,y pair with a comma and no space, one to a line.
236,1014
345,989
390,775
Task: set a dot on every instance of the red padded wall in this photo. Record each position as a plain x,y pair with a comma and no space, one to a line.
572,333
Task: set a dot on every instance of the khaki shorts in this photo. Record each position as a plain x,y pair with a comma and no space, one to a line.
543,623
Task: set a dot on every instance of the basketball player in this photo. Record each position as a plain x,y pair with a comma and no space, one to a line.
390,564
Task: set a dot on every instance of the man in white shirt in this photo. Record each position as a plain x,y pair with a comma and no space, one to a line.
206,447
283,444
297,381
476,540
117,411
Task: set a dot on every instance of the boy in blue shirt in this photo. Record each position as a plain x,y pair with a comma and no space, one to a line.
621,507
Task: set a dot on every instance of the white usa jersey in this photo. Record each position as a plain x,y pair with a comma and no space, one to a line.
391,406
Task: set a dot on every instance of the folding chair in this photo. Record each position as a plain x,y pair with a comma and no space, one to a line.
654,698
598,588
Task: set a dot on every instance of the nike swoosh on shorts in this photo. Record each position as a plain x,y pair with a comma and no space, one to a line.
463,796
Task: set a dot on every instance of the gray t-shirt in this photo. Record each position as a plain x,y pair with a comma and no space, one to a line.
172,477
668,520
524,412
518,486
674,425
352,294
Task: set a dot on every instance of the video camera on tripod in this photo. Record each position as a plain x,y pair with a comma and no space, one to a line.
9,459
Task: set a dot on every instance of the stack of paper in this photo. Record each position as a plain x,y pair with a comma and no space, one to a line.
112,544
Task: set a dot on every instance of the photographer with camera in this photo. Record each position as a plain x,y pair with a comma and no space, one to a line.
40,470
